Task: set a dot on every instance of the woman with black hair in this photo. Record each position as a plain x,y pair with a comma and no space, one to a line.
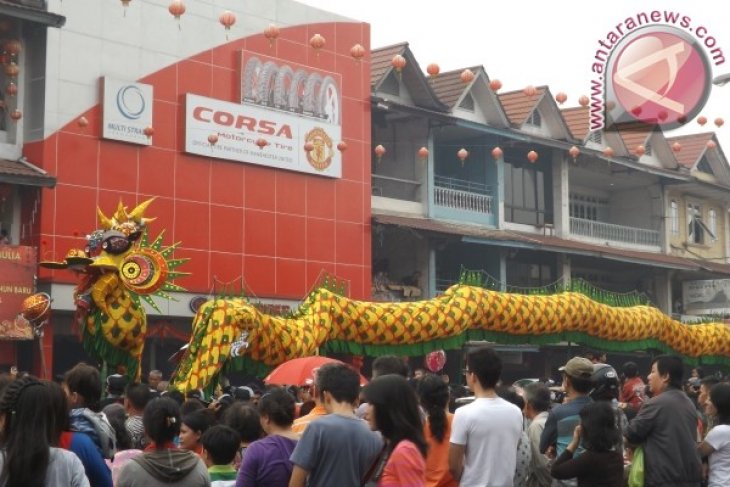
267,461
393,410
434,394
97,471
29,428
600,465
162,463
192,428
717,442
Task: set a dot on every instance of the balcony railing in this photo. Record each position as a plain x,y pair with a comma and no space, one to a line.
463,195
397,188
614,233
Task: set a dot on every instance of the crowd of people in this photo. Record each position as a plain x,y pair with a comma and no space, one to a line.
396,431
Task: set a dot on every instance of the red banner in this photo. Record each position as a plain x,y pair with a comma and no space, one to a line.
17,271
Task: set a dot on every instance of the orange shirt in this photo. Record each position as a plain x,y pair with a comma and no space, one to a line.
437,460
301,424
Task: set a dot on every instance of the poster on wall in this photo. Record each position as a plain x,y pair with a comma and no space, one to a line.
289,117
17,274
708,297
127,111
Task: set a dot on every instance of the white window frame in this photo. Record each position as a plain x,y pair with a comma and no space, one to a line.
712,223
674,217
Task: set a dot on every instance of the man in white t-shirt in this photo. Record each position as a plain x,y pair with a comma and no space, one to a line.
485,433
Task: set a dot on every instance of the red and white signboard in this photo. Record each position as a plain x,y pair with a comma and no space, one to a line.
17,273
289,118
241,130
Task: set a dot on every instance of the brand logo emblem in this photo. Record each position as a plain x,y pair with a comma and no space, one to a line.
320,157
130,102
658,75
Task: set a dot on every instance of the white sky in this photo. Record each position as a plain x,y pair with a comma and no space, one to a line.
530,42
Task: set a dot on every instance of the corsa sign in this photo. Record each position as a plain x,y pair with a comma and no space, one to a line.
239,129
289,117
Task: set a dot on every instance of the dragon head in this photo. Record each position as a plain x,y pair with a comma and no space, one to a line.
118,268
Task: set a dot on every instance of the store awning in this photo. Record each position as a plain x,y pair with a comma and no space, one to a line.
24,173
548,243
25,10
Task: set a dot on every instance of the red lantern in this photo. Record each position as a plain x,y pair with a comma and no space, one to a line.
423,153
342,146
227,19
125,4
433,69
309,146
561,97
16,115
462,154
149,131
317,42
640,150
11,89
357,52
176,8
574,152
719,122
262,143
379,152
497,153
11,70
610,105
213,139
532,156
676,147
398,62
608,152
495,85
12,47
711,144
583,101
82,122
271,33
467,76
701,120
4,58
530,91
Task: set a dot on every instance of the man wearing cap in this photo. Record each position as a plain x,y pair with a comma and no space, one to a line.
115,385
563,419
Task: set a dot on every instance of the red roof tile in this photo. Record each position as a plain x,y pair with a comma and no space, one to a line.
449,87
693,145
518,106
633,134
380,60
577,119
19,173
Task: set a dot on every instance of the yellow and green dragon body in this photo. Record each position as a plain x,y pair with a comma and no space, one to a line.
236,333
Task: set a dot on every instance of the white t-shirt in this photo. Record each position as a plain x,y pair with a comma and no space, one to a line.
490,429
719,439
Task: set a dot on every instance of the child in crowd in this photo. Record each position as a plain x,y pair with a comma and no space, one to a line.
220,445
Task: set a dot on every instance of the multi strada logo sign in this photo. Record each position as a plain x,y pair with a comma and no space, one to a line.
127,111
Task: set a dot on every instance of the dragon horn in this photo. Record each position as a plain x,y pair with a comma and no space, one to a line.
121,214
105,222
138,213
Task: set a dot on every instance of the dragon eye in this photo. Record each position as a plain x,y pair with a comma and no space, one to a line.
144,271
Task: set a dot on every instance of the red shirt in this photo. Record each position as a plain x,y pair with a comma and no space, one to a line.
633,392
405,467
